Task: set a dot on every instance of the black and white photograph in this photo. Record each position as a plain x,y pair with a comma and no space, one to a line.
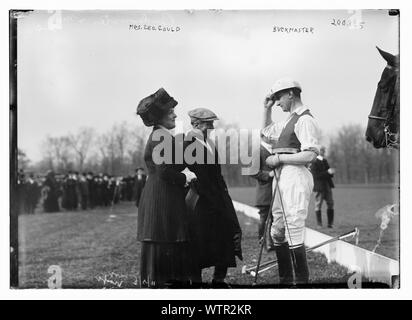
205,149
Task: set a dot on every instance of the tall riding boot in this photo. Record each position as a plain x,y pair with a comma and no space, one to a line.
319,217
284,264
330,213
301,265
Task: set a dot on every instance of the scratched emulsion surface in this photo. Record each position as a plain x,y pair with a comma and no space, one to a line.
98,249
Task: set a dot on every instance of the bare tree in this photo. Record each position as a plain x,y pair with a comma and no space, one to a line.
80,143
122,147
120,134
105,144
22,160
58,150
138,137
357,161
62,146
48,153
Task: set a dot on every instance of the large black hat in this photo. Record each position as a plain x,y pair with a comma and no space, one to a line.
153,107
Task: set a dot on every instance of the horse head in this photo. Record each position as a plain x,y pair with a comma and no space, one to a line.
383,123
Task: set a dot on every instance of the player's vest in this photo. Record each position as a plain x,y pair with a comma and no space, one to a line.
288,141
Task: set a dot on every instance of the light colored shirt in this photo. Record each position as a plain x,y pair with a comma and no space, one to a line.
168,130
306,130
267,146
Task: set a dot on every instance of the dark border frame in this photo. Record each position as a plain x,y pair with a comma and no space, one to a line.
14,236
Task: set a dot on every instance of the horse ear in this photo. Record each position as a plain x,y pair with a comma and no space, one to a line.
390,58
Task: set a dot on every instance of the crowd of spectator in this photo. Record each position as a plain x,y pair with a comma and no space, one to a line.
76,191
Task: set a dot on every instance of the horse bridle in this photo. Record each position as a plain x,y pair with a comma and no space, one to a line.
391,138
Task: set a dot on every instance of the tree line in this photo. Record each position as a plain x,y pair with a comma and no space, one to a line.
119,151
357,161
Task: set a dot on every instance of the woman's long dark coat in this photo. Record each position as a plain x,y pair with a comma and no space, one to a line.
162,220
162,209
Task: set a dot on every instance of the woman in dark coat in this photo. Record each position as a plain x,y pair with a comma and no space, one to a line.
162,222
70,199
49,192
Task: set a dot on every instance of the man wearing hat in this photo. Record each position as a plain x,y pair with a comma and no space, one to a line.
50,193
322,176
296,146
214,227
92,190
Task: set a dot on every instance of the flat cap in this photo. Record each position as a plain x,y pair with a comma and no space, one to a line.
283,84
202,114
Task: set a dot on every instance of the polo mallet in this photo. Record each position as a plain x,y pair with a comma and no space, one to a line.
273,263
262,242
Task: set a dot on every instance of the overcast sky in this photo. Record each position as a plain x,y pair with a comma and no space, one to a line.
91,69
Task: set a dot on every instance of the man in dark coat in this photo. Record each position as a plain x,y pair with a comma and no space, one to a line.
70,192
91,183
139,182
50,193
117,182
323,184
107,200
20,191
84,191
264,179
32,194
214,227
129,188
99,189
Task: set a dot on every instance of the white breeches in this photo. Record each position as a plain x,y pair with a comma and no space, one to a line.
295,186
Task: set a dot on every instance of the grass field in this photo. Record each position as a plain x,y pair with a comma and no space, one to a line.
355,206
98,248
